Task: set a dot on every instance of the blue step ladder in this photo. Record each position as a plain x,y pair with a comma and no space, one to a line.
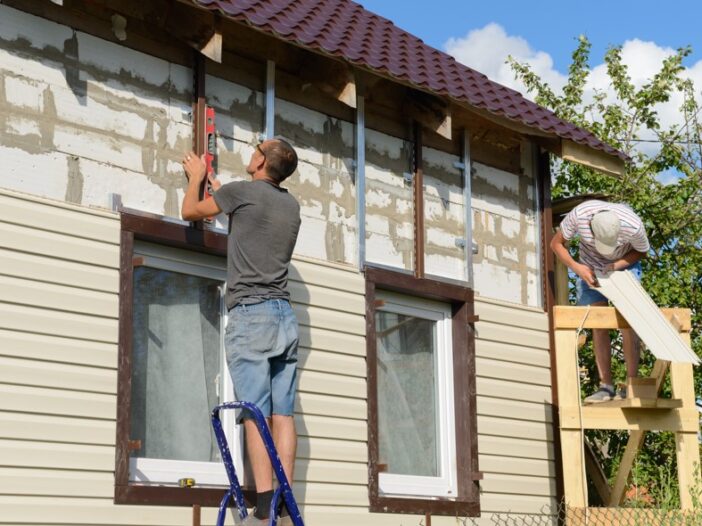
234,493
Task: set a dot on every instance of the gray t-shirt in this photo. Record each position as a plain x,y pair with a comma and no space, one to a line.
263,224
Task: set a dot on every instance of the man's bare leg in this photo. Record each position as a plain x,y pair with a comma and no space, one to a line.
630,348
258,456
285,439
602,347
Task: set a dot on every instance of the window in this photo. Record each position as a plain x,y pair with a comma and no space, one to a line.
416,431
422,434
172,368
178,368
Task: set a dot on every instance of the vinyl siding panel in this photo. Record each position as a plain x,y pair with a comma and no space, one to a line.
515,430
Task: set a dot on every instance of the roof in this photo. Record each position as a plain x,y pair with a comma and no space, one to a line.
347,30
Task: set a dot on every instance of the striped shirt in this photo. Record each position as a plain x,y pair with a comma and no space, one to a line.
632,234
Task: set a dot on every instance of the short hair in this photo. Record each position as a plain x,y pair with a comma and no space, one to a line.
281,159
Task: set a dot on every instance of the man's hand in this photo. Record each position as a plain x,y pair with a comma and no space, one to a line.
195,168
586,274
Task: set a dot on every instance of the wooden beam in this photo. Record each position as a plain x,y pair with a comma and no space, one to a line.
332,77
431,112
569,317
595,159
595,417
687,448
636,438
418,196
212,47
572,436
597,474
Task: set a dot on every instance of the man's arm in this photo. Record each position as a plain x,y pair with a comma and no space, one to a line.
193,209
559,247
626,261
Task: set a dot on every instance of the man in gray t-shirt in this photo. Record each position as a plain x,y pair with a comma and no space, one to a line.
261,336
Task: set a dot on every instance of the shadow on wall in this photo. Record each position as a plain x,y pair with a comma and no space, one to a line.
301,301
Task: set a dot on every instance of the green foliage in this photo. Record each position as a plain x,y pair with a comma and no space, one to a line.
672,213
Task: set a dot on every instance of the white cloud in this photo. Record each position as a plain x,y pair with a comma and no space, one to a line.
487,49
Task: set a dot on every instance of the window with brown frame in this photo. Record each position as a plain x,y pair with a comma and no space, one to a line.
422,431
171,363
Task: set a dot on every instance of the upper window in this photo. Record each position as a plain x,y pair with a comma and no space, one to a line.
416,432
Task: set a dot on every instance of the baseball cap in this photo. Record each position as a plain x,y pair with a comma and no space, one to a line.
605,227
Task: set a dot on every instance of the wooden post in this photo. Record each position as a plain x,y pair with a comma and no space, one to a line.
572,437
561,272
686,445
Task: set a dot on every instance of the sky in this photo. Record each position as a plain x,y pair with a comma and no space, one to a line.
481,34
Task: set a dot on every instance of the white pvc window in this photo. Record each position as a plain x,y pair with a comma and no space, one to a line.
179,372
416,429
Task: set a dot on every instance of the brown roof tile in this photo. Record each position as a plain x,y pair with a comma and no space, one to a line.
345,29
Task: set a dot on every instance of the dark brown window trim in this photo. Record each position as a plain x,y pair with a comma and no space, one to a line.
467,503
157,230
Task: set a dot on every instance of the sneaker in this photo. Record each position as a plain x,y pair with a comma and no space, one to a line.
603,394
621,393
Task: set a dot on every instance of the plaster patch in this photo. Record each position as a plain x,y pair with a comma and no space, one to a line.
118,118
510,253
380,249
121,61
377,224
24,93
136,191
497,282
20,126
336,188
98,147
308,174
26,172
377,198
441,238
309,241
313,209
445,266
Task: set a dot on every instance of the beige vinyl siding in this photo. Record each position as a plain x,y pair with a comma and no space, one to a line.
515,431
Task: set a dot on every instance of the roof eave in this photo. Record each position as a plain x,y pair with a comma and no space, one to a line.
596,159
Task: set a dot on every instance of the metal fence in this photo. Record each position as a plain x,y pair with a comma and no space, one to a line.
567,516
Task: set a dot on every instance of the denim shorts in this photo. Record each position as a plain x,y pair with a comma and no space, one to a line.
260,342
586,295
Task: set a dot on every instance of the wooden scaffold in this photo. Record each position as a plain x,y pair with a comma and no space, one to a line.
643,410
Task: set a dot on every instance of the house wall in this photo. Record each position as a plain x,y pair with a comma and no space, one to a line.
119,123
58,380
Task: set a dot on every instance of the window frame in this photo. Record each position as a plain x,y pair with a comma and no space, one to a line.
461,301
170,233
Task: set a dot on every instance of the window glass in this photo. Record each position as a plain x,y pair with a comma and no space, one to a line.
416,431
176,364
407,424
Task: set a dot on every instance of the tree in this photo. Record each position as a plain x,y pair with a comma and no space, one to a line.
672,212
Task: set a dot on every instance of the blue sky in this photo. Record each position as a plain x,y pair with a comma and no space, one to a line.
552,26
